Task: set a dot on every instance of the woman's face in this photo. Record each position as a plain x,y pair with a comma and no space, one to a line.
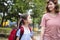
51,6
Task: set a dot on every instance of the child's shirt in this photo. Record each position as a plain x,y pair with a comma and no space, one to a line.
26,35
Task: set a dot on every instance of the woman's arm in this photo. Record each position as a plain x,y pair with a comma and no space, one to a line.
42,33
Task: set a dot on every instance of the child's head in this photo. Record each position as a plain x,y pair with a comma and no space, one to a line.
25,19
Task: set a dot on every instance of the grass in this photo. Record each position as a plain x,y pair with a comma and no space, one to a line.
3,38
5,32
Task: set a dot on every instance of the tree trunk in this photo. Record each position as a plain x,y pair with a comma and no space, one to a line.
2,19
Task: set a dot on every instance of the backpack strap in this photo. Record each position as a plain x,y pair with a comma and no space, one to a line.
21,32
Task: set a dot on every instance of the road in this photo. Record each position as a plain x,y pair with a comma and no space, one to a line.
37,36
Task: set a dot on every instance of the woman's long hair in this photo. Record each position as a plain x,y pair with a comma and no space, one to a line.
56,6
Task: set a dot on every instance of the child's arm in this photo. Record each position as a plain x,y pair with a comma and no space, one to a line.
18,34
17,38
33,38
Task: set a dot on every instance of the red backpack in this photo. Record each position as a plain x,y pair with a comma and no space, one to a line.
12,35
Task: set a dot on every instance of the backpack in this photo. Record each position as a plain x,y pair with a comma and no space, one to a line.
13,36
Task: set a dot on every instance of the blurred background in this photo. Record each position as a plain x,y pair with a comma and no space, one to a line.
11,9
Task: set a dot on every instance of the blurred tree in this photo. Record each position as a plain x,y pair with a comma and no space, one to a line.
13,7
39,10
3,8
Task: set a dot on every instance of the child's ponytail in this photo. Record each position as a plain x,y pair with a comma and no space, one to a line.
22,18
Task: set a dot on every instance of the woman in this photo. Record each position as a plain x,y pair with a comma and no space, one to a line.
28,33
51,22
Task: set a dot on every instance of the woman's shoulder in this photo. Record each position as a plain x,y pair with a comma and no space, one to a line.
45,15
59,12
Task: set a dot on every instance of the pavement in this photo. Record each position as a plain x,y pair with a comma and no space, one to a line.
37,35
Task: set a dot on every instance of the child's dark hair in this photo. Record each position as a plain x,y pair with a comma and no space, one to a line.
22,18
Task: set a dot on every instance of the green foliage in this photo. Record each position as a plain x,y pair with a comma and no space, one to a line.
5,30
21,6
39,9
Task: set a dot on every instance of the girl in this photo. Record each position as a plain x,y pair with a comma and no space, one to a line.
51,22
24,22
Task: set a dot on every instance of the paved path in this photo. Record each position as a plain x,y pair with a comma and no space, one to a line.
37,37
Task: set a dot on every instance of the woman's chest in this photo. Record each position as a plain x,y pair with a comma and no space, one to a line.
53,21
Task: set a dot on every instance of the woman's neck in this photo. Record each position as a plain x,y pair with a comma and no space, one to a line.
52,12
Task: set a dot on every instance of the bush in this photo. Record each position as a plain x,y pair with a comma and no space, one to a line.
5,31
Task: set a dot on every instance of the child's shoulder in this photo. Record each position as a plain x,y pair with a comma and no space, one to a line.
18,30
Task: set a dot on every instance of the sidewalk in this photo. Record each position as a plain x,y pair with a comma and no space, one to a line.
37,36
